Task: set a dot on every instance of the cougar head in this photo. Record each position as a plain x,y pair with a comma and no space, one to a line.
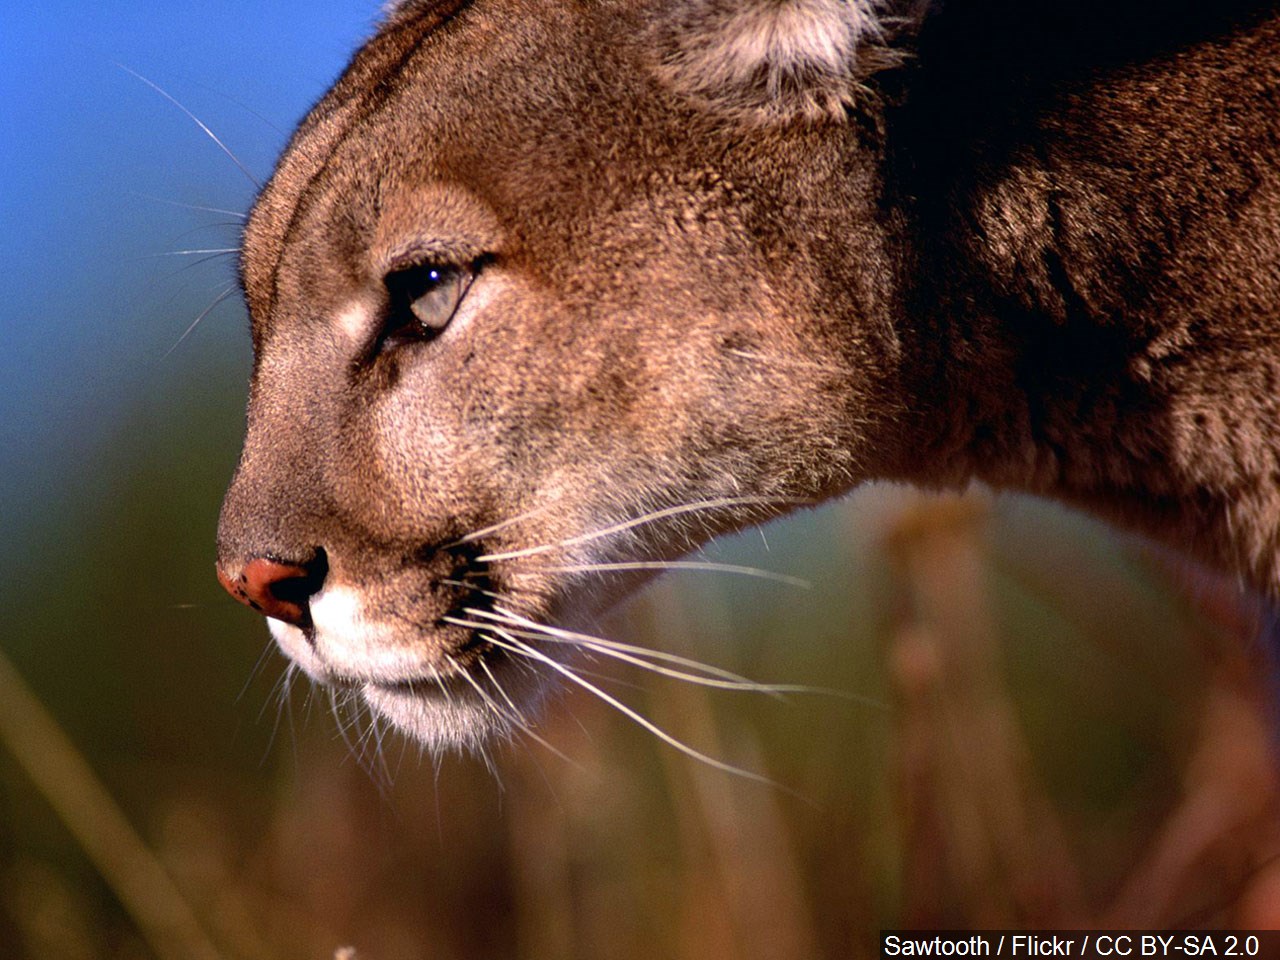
544,294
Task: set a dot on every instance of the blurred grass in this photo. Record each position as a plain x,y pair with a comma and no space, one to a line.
1065,739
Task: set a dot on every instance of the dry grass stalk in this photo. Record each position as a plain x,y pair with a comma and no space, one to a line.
92,816
983,842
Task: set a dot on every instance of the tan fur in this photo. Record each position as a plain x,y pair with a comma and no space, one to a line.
1040,256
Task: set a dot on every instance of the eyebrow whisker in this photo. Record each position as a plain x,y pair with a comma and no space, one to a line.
196,120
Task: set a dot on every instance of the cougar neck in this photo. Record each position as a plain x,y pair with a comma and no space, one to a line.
1094,291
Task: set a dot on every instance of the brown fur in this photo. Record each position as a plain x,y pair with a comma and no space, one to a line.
1035,248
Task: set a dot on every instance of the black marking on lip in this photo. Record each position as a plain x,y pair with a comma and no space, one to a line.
475,645
471,581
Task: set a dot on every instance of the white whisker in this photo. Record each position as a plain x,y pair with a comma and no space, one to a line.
309,701
515,711
444,687
257,667
501,525
277,689
281,692
475,685
517,646
493,595
198,122
194,323
779,690
512,619
693,678
514,717
218,251
703,565
606,647
238,214
366,748
708,676
609,678
202,227
335,707
643,519
383,778
192,264
338,702
288,713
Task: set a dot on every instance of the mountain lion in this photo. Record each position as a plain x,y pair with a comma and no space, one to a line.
547,293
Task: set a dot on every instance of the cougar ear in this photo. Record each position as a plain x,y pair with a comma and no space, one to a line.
774,59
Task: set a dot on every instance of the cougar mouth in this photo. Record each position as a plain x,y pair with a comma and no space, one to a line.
456,642
462,709
456,698
453,667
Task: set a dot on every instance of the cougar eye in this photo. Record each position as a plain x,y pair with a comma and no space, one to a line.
423,299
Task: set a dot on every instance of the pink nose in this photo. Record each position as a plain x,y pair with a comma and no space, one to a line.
278,590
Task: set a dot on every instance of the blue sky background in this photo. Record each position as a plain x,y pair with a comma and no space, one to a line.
92,166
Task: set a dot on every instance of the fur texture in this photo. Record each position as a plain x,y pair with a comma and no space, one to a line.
771,59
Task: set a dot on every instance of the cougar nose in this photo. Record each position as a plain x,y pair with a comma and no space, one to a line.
278,590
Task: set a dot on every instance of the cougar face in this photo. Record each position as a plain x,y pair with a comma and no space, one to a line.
545,294
510,294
